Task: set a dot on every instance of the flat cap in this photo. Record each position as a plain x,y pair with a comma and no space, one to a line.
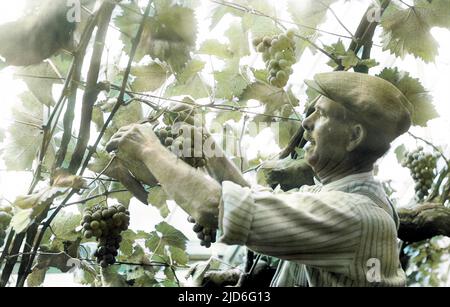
375,101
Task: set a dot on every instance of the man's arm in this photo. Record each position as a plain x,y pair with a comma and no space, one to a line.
196,192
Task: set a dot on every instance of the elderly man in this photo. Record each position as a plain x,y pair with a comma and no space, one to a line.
339,232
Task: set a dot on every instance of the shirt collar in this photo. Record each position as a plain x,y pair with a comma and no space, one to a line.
334,185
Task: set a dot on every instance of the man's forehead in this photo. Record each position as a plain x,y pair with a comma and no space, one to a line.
325,103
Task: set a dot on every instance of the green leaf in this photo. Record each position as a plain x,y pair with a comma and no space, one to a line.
284,131
28,207
400,153
64,225
348,59
25,136
230,81
260,25
128,23
122,197
126,246
189,82
170,276
36,277
169,35
277,101
112,278
149,77
310,14
216,48
40,80
157,197
238,40
178,256
219,11
415,92
165,235
407,30
126,115
223,116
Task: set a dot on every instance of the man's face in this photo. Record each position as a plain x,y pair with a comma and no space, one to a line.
327,134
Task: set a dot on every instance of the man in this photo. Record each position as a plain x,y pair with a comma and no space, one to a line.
339,232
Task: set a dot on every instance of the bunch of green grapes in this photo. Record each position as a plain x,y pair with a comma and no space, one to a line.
422,166
279,55
181,143
5,219
106,225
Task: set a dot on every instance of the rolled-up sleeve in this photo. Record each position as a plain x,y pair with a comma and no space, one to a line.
315,229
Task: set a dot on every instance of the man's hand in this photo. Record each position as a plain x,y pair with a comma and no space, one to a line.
131,141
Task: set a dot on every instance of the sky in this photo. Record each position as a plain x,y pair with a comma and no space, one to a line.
435,77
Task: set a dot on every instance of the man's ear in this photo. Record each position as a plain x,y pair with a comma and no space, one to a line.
356,137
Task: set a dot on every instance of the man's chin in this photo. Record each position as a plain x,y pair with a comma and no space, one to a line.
309,155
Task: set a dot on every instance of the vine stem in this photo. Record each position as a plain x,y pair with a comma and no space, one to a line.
108,7
105,16
120,98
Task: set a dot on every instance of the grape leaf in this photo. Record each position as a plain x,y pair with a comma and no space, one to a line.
400,153
216,48
219,11
260,25
415,92
24,139
40,80
230,81
189,82
36,277
64,225
309,15
408,30
126,246
63,179
157,197
348,59
165,235
31,206
169,35
277,101
149,77
238,40
126,115
123,198
178,256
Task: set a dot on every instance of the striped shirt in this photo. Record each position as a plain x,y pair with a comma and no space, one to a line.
340,234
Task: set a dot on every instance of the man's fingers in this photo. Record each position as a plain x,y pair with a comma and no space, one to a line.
112,145
191,219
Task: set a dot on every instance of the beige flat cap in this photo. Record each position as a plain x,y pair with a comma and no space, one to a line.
375,101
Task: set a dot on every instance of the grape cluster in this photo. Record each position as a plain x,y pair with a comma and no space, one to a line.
5,219
422,166
279,55
106,225
181,143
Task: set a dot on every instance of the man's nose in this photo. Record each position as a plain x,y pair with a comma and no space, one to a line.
308,123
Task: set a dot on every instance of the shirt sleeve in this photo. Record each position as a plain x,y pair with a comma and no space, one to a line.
314,229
